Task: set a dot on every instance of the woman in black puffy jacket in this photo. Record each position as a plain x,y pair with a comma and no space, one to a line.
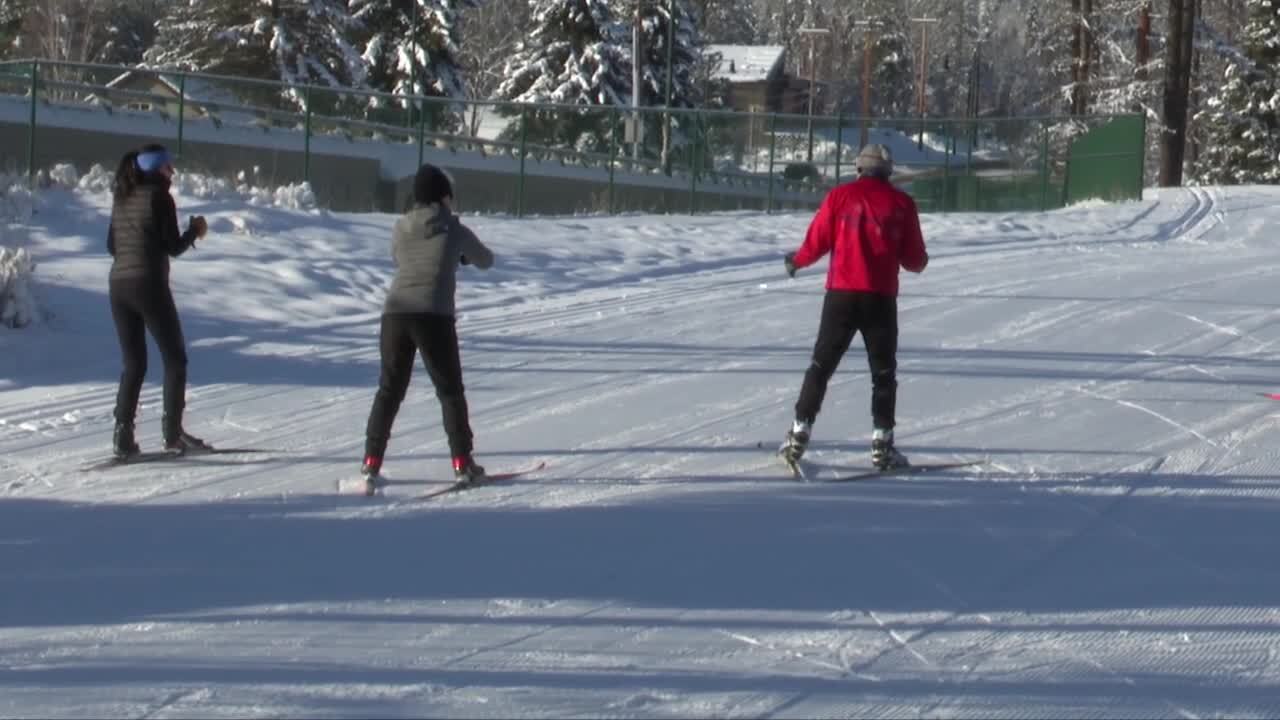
143,235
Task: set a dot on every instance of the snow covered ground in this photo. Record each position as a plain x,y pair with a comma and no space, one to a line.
1114,558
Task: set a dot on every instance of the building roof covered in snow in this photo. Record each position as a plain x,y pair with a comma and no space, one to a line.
747,63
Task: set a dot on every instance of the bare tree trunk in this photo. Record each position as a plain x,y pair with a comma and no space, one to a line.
1177,84
1144,40
1193,84
1077,59
1087,56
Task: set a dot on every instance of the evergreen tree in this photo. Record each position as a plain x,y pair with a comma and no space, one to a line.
1239,123
727,22
11,13
1043,81
293,41
574,55
893,82
686,50
411,47
131,31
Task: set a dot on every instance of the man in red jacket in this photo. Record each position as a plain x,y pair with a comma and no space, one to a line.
871,229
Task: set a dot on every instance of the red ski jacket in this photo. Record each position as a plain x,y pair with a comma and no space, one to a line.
871,228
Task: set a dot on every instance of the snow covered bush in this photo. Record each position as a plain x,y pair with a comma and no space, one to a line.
64,175
17,304
297,196
97,180
16,200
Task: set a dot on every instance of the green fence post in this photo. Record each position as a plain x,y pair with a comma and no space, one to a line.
182,108
524,145
839,143
1044,168
422,131
773,146
971,138
693,165
946,174
613,155
31,128
1142,155
306,138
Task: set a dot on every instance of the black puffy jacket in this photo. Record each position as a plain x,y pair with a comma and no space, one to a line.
144,234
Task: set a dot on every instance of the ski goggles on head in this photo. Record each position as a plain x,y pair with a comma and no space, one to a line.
153,160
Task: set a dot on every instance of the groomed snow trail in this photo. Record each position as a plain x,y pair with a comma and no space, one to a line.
1114,558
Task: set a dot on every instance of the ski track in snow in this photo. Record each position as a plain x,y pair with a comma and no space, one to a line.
1110,560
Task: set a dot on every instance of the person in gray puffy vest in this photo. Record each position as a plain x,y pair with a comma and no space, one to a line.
428,244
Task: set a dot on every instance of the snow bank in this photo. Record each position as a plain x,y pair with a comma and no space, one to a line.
297,196
17,304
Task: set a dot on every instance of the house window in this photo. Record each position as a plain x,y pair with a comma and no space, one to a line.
140,105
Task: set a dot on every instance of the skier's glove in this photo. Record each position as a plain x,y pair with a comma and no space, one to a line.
462,260
789,261
197,226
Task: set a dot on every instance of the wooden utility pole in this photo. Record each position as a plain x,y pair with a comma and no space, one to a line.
867,26
1177,86
813,33
924,71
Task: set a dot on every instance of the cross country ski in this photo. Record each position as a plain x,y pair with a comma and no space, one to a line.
377,485
166,456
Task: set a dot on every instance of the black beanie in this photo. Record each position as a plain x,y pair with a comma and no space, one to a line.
430,185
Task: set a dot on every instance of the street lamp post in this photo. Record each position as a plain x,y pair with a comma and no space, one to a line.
813,34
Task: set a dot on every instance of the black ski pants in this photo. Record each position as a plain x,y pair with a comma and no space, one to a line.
435,337
845,314
138,306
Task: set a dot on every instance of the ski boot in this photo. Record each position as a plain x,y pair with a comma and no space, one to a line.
884,456
466,471
371,472
181,442
793,447
123,444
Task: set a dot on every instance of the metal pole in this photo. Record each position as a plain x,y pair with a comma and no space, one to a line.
813,76
635,84
306,153
182,108
839,143
977,93
946,180
1044,168
422,127
693,166
613,156
1142,155
524,144
773,143
31,128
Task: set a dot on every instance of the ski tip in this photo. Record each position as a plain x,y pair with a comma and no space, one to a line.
1270,396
